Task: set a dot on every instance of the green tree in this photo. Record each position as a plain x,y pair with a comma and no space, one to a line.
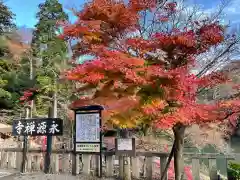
13,74
6,25
49,53
45,43
6,18
6,65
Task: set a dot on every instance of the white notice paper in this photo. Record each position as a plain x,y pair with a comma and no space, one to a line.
124,144
88,127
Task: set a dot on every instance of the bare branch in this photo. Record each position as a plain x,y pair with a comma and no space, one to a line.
216,59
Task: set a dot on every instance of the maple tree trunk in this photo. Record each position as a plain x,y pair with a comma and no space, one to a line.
178,130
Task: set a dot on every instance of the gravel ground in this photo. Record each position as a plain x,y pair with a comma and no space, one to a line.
2,174
41,176
6,173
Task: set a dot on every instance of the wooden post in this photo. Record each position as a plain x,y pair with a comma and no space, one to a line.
10,160
163,162
109,166
96,160
1,155
50,141
196,169
55,163
86,163
120,162
135,167
25,146
19,157
25,141
93,163
221,163
65,163
48,155
212,169
149,162
38,162
3,159
75,164
97,164
29,163
126,168
125,161
15,161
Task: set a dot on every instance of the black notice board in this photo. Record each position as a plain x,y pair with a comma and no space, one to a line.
37,127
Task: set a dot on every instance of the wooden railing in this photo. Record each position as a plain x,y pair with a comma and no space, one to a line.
144,164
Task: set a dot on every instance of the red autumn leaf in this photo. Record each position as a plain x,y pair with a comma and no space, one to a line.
149,69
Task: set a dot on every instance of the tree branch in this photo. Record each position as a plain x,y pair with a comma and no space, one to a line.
209,65
230,97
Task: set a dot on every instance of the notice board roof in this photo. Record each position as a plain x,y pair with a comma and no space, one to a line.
88,108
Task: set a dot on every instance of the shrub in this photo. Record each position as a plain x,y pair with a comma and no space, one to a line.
234,171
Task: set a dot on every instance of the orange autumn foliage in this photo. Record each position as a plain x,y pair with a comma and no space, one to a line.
128,74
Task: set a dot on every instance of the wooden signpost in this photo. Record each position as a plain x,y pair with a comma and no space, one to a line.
88,136
37,127
125,147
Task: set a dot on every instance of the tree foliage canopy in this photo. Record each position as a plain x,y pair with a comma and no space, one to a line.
6,18
143,52
152,72
12,81
49,54
45,42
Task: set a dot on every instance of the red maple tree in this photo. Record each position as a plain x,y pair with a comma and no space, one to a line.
29,95
146,77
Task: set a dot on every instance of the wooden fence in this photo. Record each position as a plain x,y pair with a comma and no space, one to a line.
143,165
